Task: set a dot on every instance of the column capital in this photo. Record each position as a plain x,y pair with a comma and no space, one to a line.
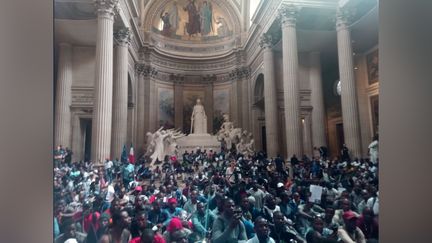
106,8
266,41
145,70
123,36
288,15
344,17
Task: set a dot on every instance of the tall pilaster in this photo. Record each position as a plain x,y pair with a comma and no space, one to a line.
317,100
120,93
350,113
178,105
63,97
208,106
291,84
102,120
270,97
307,143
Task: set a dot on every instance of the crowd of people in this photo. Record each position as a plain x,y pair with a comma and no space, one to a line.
208,196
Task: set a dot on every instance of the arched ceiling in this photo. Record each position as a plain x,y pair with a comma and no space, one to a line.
194,28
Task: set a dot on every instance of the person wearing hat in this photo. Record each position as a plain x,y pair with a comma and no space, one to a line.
172,210
175,224
350,233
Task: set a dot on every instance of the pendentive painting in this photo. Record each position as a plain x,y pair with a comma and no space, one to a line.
375,113
199,20
166,108
221,106
372,67
189,101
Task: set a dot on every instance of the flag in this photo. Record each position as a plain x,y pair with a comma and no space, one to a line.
131,155
124,156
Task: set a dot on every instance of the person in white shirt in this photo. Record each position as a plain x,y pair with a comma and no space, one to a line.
373,150
373,203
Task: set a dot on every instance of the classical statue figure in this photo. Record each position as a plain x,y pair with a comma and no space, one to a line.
228,133
162,143
198,119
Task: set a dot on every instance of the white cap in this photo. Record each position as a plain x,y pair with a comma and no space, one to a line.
280,184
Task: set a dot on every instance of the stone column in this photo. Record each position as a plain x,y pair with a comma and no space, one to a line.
102,120
63,97
245,104
290,81
233,99
120,93
270,97
140,68
307,143
350,114
317,100
208,106
178,105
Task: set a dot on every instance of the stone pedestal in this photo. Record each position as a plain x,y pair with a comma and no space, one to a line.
193,141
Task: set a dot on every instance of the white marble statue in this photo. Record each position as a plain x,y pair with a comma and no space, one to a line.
162,143
228,133
198,119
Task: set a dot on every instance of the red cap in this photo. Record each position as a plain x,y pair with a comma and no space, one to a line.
349,215
172,200
174,224
138,188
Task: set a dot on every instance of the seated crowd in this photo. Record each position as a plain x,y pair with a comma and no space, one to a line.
216,197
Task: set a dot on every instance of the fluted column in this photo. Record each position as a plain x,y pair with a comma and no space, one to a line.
317,101
120,93
288,16
63,96
245,104
350,113
140,71
102,120
270,101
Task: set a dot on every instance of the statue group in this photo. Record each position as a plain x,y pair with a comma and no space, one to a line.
164,142
231,136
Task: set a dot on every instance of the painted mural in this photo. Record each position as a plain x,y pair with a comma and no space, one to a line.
189,100
166,108
372,67
221,101
200,20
